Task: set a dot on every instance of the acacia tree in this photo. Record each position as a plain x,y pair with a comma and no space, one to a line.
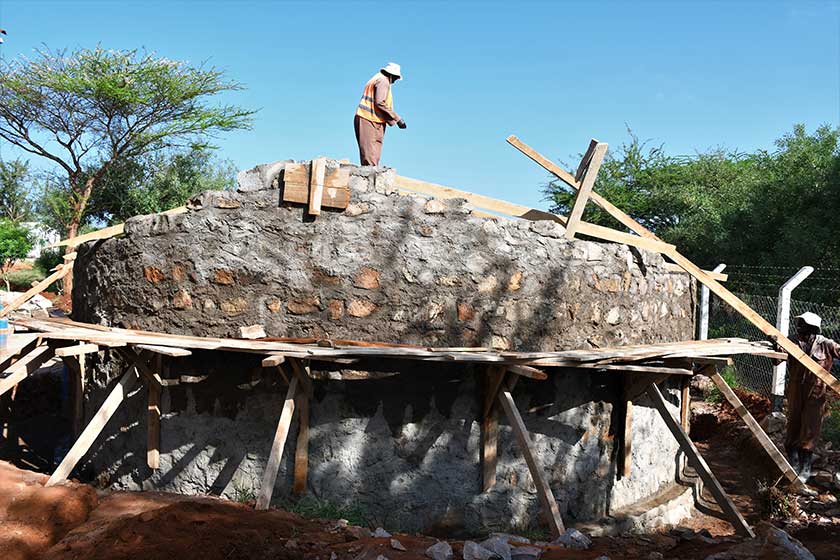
88,109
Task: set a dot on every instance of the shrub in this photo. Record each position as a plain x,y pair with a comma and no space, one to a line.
730,376
313,508
15,243
21,280
49,259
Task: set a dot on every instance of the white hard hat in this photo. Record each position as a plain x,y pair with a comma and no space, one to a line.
811,319
394,69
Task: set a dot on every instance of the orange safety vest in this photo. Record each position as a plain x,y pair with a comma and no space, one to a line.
367,106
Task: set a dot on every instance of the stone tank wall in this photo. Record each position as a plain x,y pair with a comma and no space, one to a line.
404,449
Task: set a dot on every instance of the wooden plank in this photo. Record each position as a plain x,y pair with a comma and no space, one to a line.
111,231
527,371
719,276
302,446
544,493
336,193
302,374
561,174
699,464
583,193
316,186
22,368
63,271
76,350
685,404
153,419
16,345
76,367
495,377
273,361
93,429
408,186
748,419
584,161
279,442
171,351
608,234
714,286
625,464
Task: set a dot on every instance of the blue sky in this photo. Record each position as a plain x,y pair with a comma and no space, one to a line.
690,75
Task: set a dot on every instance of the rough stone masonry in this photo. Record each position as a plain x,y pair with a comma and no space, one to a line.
404,449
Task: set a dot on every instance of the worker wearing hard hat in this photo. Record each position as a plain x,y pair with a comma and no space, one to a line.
375,111
806,393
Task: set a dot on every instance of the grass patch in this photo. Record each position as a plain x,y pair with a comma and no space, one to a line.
776,503
21,280
313,508
729,375
243,494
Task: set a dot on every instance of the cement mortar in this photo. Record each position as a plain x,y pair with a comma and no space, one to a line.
403,449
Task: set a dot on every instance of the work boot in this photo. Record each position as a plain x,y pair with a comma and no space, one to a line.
793,459
806,458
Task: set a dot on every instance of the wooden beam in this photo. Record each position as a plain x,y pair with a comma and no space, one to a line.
685,404
93,429
748,419
410,186
302,374
490,426
273,361
608,234
22,368
16,345
583,193
276,453
544,493
153,418
302,446
584,161
561,174
699,464
527,371
76,366
316,185
63,271
107,232
714,286
719,276
76,350
171,351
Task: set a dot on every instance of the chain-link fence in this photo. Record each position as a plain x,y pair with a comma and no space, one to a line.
754,372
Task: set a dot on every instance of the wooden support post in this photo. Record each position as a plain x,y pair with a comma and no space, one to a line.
97,423
759,434
317,171
302,374
490,427
699,464
302,447
153,418
582,195
76,368
625,465
546,496
273,464
685,403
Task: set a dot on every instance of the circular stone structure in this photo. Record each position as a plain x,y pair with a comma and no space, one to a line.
401,449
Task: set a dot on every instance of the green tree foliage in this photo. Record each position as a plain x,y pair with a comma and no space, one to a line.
15,201
88,110
768,208
158,182
15,243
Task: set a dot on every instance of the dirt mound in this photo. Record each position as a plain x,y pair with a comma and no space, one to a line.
32,517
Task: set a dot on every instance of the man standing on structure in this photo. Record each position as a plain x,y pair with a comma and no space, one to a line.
806,394
376,109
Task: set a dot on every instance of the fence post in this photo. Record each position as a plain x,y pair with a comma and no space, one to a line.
704,307
783,323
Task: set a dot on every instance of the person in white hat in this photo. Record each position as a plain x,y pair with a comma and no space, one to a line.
375,111
806,393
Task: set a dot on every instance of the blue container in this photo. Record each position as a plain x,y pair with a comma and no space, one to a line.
4,326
